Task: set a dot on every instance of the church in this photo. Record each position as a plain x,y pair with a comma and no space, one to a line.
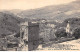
68,29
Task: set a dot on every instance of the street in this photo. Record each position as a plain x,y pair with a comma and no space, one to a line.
68,45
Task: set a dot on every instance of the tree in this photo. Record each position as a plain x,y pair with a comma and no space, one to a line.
61,33
76,33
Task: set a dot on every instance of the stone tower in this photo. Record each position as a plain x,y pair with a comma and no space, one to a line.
33,35
30,33
68,28
24,36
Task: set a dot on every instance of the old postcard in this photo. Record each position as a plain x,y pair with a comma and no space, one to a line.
39,25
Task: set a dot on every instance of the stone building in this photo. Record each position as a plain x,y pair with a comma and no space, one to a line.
68,28
30,32
23,36
47,31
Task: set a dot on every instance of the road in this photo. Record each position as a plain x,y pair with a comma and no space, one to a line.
68,45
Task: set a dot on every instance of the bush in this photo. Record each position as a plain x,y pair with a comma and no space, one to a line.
76,33
61,33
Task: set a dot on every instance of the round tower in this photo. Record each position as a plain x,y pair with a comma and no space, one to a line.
68,28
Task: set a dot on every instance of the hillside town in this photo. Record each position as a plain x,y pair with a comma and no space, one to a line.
37,34
54,27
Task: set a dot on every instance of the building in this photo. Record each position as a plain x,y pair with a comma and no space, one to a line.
68,28
29,32
23,36
33,35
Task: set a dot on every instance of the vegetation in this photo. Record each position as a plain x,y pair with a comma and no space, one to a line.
76,33
75,29
61,33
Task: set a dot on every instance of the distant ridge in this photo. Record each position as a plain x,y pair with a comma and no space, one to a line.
58,12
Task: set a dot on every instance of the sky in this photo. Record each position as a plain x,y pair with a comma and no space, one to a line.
29,4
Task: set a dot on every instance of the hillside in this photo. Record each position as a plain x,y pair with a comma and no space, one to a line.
58,12
9,23
9,20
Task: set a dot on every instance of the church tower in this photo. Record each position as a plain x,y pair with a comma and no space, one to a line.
68,28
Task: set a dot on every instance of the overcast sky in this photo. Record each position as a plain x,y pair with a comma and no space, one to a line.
29,4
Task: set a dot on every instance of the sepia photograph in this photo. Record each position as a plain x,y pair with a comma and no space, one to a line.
39,25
